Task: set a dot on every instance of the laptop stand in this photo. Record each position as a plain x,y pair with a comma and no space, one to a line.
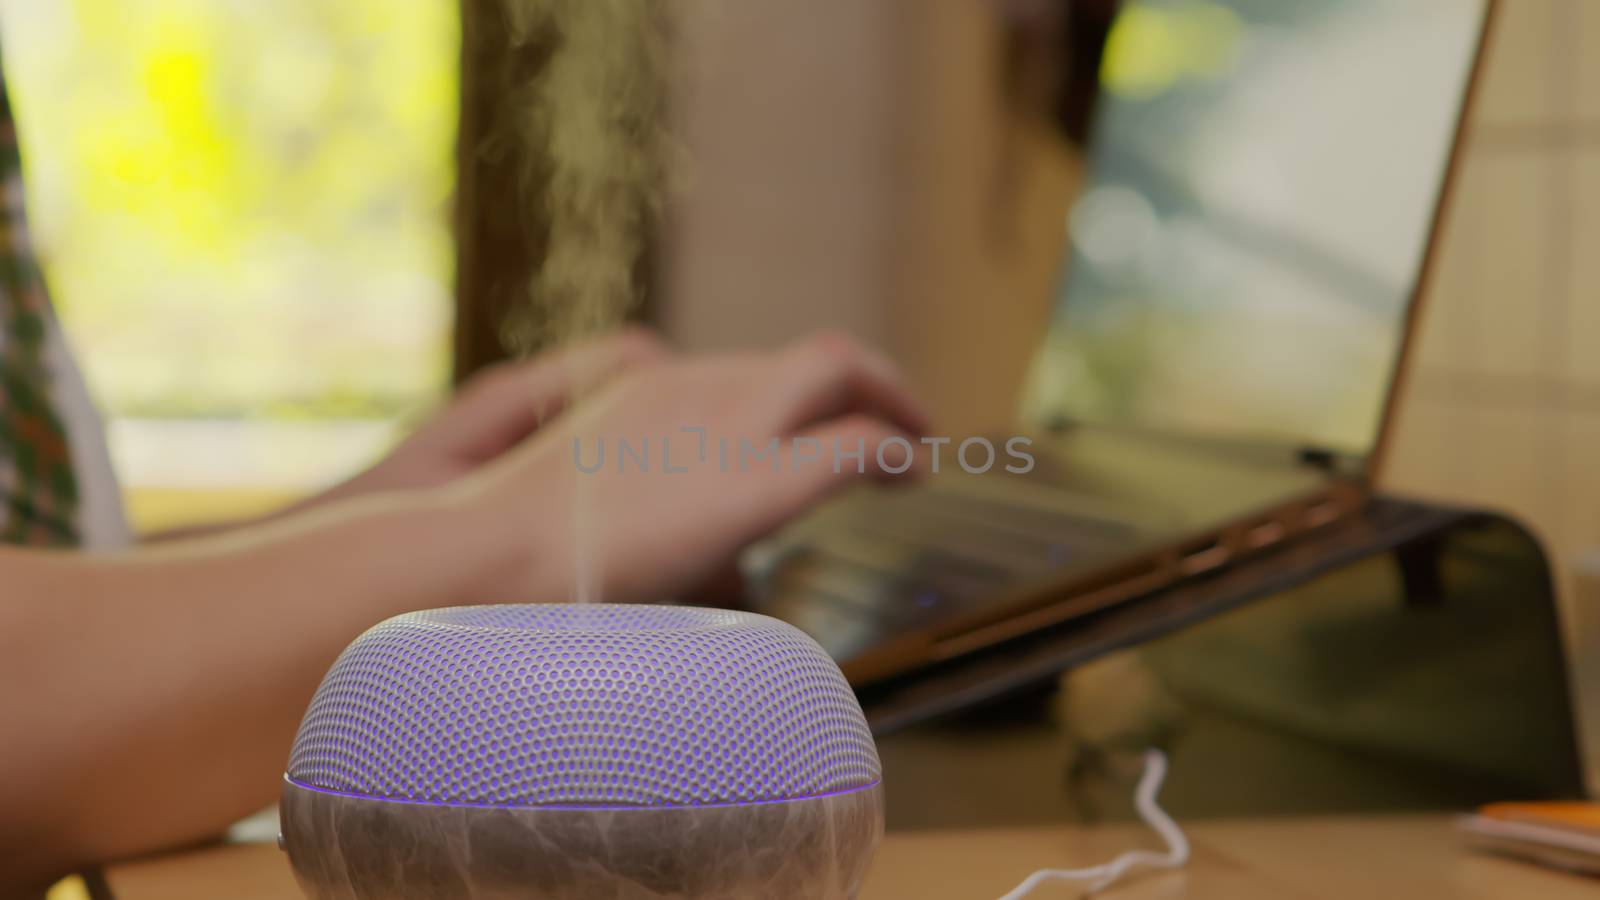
1425,585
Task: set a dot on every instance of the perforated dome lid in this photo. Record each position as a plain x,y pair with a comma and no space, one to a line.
584,705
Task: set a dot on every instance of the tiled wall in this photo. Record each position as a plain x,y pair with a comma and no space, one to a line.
1503,404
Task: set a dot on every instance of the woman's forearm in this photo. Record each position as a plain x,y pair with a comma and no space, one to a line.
150,699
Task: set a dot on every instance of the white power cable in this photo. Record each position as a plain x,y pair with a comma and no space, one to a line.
1103,876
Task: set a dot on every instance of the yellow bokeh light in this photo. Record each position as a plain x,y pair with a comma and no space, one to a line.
263,184
1151,48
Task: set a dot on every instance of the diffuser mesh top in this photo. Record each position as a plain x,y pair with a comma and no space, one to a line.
584,705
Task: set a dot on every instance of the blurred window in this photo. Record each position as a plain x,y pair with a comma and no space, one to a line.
242,210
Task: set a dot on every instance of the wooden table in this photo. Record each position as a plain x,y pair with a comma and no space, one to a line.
1401,857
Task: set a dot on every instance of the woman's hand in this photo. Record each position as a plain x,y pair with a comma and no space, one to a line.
733,447
498,409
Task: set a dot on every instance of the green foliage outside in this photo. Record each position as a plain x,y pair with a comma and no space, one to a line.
243,206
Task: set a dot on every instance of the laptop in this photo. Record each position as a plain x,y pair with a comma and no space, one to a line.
1242,277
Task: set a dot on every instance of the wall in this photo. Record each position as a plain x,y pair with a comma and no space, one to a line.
1503,406
855,165
788,113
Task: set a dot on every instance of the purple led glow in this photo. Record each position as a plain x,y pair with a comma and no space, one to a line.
584,706
584,807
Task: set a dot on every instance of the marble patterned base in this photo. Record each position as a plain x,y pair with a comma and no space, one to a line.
345,848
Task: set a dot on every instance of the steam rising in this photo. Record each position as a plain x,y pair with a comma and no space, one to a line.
589,129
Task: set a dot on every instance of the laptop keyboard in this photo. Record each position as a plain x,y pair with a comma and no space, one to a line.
989,536
887,560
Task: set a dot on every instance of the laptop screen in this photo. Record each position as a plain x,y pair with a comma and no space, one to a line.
1264,175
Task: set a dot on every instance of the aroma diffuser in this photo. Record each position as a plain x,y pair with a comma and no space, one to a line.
582,751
